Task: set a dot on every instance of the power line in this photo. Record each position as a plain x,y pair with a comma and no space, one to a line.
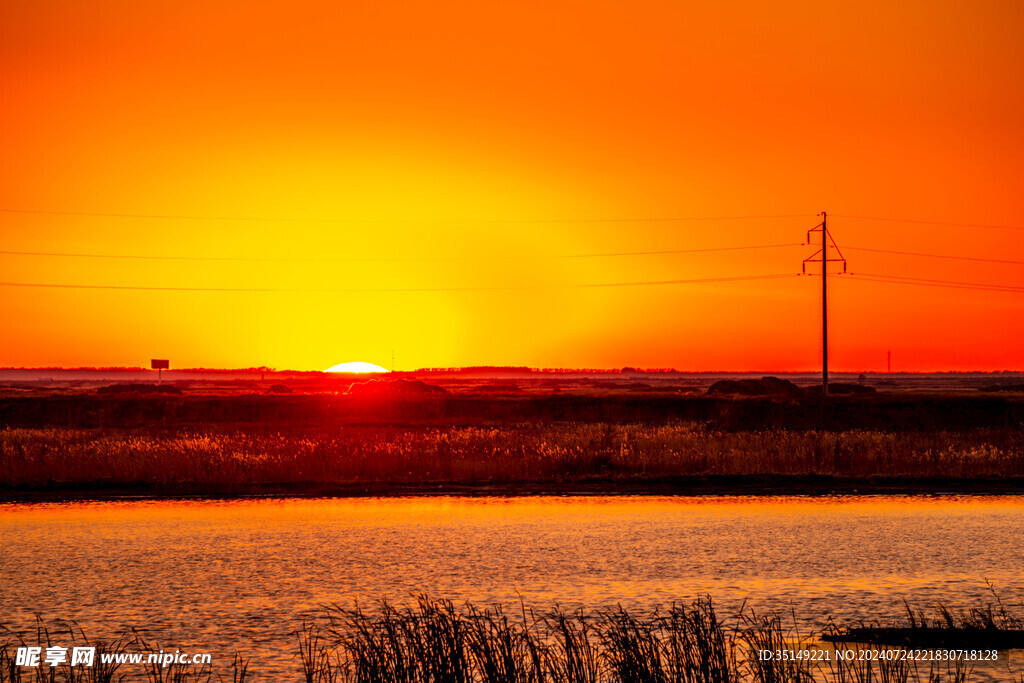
639,219
297,219
680,251
899,279
371,259
647,283
921,222
944,256
888,281
386,258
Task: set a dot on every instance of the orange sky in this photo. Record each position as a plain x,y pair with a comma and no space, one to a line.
442,132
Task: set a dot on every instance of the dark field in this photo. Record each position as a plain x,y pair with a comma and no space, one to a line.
455,434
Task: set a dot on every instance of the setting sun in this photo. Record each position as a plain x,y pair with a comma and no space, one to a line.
356,367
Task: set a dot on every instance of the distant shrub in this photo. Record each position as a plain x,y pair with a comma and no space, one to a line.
766,386
139,389
383,388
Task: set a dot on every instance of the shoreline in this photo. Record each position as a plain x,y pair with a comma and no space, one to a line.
723,485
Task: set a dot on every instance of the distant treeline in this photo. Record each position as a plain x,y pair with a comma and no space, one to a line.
520,369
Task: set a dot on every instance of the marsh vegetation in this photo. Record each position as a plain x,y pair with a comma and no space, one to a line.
225,460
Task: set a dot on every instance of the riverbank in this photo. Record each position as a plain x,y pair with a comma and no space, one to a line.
761,486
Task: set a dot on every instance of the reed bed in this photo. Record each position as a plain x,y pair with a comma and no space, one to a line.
435,642
507,453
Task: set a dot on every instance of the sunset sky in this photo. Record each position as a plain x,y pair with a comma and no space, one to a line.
478,161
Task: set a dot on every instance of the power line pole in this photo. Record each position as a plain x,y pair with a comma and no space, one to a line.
824,305
826,240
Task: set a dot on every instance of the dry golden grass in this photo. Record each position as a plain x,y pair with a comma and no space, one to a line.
31,457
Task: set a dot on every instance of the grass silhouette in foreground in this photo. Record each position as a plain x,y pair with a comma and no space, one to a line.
989,626
433,641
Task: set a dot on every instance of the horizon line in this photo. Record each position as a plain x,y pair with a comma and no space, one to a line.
507,368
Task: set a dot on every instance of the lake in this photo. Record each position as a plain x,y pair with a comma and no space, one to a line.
241,575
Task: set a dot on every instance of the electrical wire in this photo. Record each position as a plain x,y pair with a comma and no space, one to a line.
643,219
943,256
299,219
374,259
899,279
647,283
369,259
922,222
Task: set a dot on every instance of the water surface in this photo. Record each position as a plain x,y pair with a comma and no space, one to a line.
227,576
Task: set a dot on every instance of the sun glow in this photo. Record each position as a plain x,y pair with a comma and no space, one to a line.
406,177
356,367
